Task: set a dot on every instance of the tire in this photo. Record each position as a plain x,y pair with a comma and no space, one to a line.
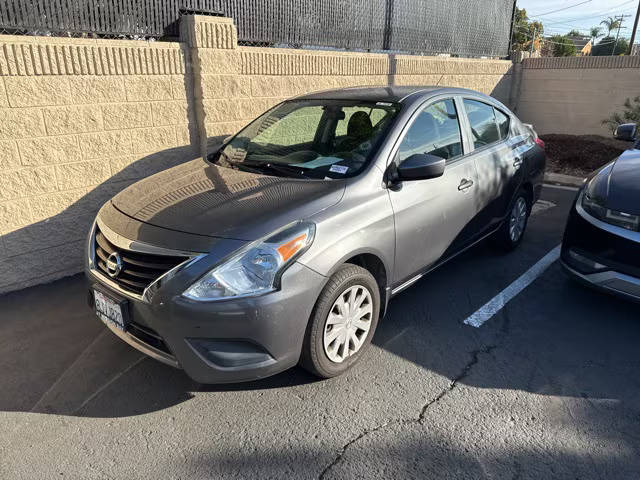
506,238
325,361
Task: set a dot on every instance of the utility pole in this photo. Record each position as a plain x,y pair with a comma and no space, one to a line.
513,25
635,27
615,44
533,40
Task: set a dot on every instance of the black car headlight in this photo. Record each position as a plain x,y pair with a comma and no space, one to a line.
255,269
595,207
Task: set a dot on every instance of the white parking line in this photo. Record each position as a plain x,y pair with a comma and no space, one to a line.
496,304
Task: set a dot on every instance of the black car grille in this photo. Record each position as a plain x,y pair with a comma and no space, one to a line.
614,251
139,270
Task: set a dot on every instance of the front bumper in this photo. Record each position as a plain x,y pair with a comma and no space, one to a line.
611,282
600,255
223,341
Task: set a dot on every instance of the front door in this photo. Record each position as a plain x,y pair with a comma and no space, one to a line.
430,215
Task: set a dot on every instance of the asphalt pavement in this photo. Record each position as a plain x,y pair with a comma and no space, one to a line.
545,388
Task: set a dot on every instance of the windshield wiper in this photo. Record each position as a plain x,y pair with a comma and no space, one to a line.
280,169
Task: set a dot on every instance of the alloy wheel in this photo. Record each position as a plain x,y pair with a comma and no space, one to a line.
518,219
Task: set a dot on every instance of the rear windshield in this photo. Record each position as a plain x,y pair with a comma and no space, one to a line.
311,138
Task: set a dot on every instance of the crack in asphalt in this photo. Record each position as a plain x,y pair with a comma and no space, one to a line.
475,358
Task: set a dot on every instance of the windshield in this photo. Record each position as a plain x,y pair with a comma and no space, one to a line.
311,138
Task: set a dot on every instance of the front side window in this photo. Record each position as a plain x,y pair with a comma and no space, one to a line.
311,138
435,131
484,128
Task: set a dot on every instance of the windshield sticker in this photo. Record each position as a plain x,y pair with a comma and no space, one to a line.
341,169
384,104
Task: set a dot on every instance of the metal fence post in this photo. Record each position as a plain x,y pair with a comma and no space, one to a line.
388,25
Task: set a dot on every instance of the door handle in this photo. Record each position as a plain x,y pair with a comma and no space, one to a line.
517,162
465,185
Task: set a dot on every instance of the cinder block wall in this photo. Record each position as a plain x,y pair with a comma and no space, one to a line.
79,121
235,84
82,119
493,77
573,95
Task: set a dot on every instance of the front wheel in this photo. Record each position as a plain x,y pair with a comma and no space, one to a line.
343,322
512,230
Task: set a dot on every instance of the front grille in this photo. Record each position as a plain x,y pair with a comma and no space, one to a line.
139,270
614,251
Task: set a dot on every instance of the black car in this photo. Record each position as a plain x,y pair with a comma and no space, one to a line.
601,245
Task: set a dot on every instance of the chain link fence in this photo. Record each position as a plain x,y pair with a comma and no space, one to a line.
470,28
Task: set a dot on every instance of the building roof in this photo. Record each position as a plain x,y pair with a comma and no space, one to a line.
580,41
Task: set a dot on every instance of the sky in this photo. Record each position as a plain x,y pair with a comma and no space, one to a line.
580,17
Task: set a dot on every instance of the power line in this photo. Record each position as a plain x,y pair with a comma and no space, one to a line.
542,39
548,26
562,9
577,20
592,15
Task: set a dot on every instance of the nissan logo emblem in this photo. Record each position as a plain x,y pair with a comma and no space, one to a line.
114,264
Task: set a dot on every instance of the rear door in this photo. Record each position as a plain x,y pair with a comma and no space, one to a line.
499,169
430,215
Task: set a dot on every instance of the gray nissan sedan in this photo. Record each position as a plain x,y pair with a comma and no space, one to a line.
286,244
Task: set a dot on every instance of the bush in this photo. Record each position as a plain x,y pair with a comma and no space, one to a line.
562,46
605,47
630,114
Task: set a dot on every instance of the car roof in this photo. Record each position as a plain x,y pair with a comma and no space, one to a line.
397,94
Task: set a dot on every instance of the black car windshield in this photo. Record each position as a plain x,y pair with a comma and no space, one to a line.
311,138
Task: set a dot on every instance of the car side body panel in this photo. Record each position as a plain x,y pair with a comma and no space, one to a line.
362,223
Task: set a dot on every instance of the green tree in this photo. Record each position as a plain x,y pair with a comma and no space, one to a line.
605,47
595,33
611,24
630,114
524,31
574,33
562,46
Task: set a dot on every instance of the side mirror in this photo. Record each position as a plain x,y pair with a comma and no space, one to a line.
626,132
421,166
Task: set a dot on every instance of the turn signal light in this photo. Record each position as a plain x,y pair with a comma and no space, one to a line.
289,249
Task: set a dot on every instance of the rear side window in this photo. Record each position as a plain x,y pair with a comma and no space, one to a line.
503,124
435,131
482,119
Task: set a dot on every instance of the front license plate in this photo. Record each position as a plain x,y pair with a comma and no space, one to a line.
108,310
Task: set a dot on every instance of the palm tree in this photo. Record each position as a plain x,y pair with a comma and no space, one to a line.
594,33
611,24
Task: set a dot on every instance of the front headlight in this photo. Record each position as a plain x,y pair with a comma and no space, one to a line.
257,268
596,208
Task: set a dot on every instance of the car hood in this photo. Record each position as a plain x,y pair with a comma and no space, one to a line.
200,198
623,193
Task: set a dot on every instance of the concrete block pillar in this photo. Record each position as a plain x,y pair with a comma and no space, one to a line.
212,42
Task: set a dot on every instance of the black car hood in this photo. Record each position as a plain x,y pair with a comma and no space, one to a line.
201,198
623,193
